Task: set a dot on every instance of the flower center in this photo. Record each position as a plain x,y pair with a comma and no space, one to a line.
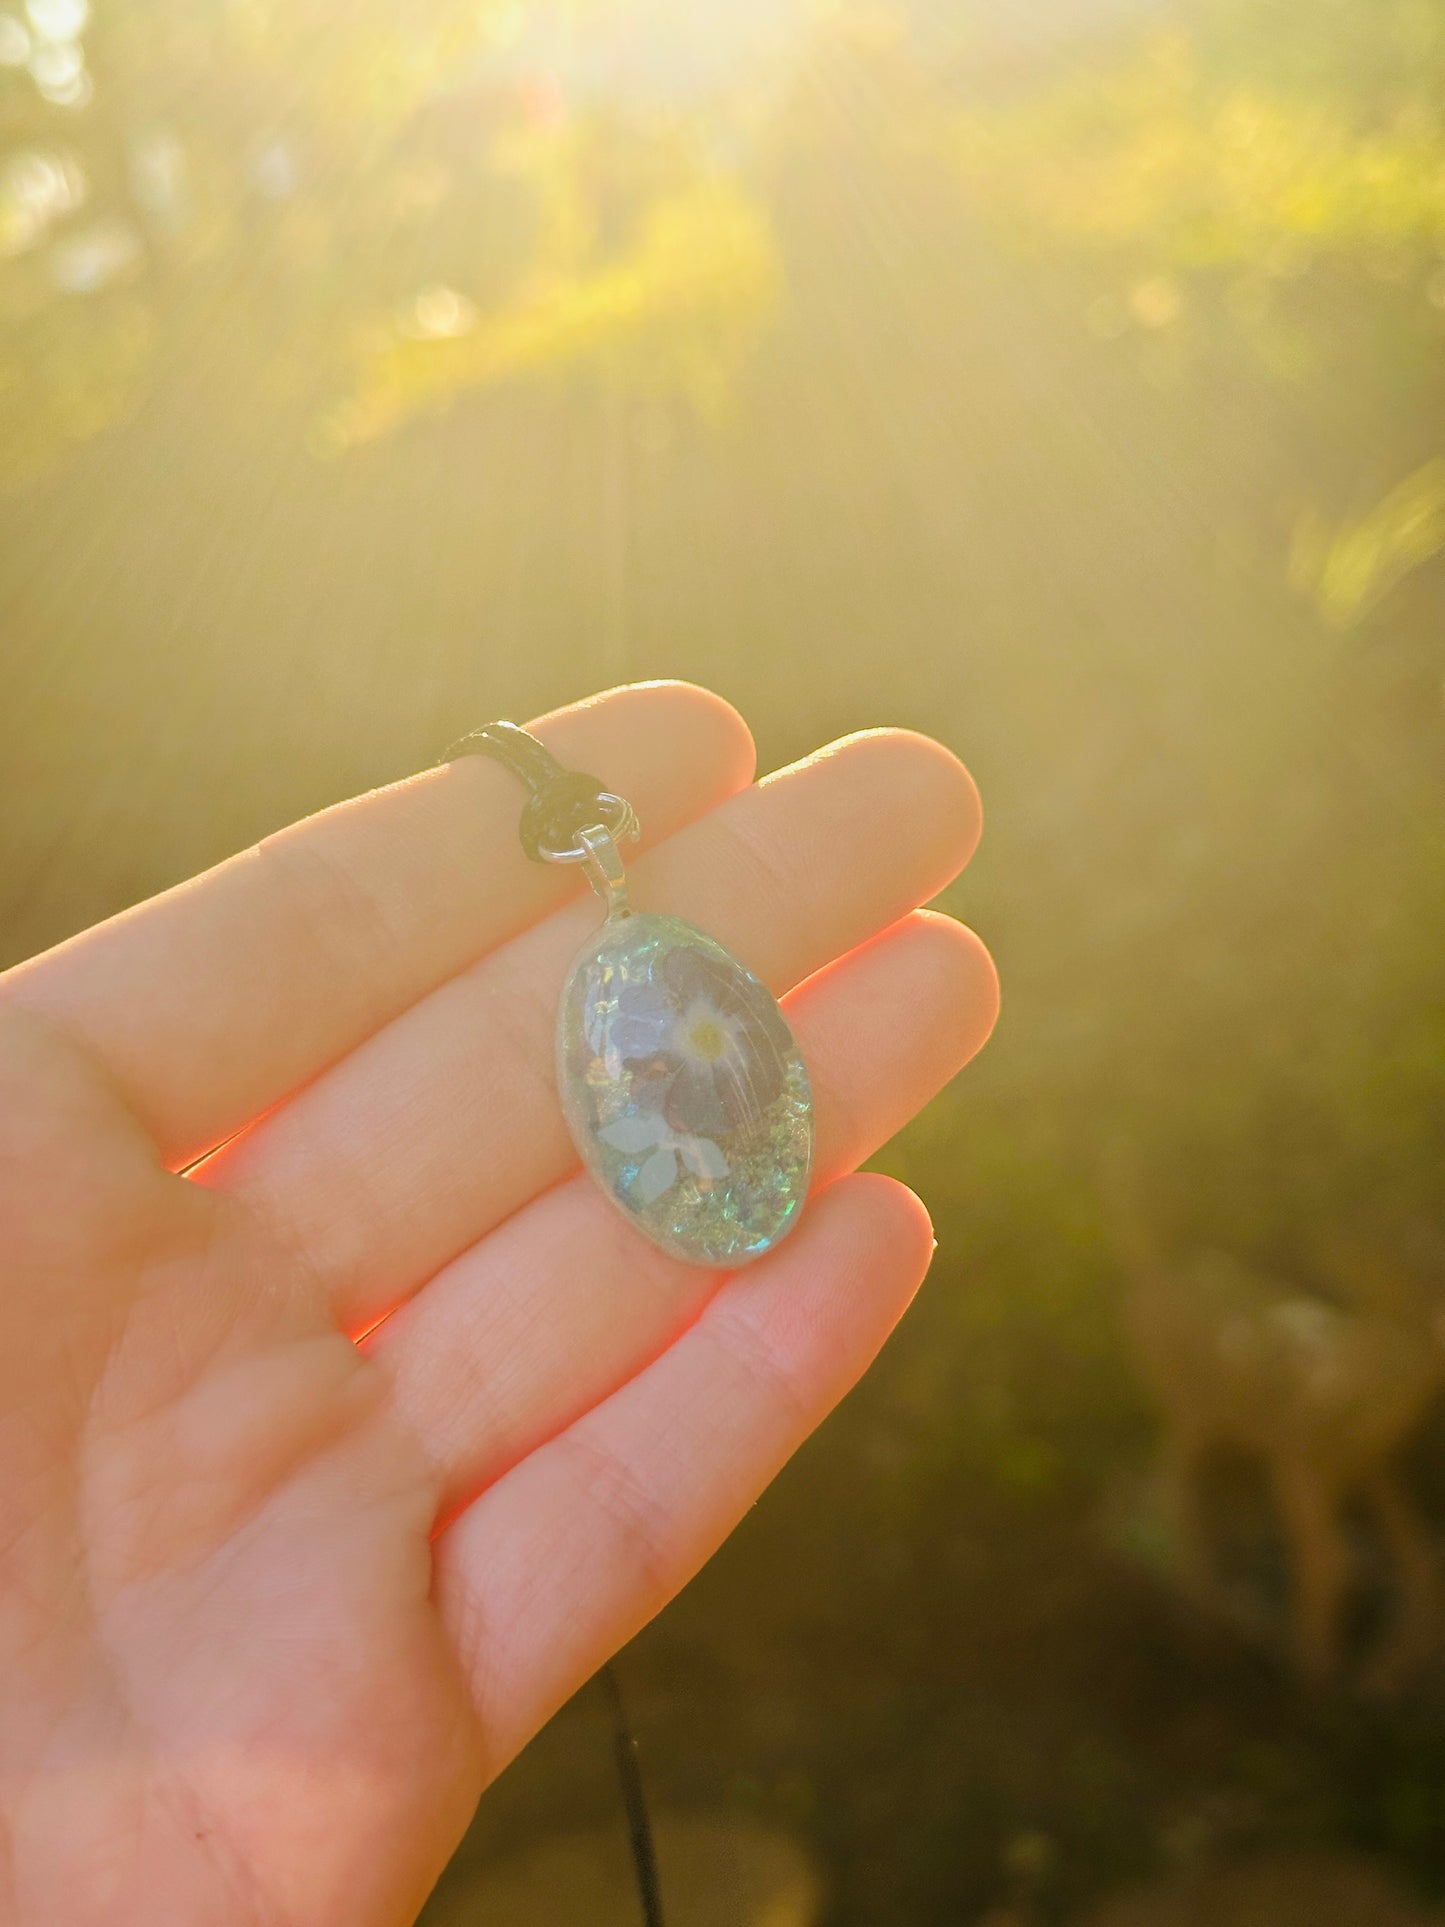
708,1039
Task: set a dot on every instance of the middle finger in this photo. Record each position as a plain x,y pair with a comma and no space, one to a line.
447,1120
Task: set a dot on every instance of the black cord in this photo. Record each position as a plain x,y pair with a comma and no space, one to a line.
560,802
639,1827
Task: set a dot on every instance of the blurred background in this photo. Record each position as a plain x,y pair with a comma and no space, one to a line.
1065,379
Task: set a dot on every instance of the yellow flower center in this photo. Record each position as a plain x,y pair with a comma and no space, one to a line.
708,1039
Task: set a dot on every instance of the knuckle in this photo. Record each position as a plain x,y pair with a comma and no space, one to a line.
629,1508
336,916
78,1176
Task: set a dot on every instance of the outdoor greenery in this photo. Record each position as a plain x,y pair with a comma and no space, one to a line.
1066,380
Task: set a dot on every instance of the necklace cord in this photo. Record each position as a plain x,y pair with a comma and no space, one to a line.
639,1827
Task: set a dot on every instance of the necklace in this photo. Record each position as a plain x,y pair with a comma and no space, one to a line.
680,1081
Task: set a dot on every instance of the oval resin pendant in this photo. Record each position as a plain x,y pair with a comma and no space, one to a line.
684,1090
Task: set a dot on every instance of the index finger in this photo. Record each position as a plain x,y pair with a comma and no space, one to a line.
210,1003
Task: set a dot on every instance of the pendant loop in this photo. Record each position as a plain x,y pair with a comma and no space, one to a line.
604,870
618,819
560,802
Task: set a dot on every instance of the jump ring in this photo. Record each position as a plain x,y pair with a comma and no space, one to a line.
619,819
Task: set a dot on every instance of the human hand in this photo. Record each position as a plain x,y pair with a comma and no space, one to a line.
331,1468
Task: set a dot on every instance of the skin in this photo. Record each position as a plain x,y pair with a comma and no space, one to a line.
331,1468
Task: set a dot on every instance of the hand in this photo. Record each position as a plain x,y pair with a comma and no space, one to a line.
329,1469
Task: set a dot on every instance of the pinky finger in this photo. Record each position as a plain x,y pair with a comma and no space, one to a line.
558,1564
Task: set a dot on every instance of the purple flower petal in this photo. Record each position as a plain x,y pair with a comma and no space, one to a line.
634,1023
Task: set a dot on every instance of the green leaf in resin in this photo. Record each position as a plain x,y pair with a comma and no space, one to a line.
684,1090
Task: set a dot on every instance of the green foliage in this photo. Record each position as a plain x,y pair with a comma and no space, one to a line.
1199,168
673,313
1257,180
368,219
1350,569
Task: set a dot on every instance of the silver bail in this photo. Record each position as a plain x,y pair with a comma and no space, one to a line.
605,873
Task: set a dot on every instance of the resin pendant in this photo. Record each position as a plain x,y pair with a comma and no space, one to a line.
684,1090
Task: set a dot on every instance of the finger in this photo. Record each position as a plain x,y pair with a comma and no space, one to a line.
565,1301
448,1121
563,1560
210,1003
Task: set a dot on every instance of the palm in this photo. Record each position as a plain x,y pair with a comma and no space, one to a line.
329,1471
